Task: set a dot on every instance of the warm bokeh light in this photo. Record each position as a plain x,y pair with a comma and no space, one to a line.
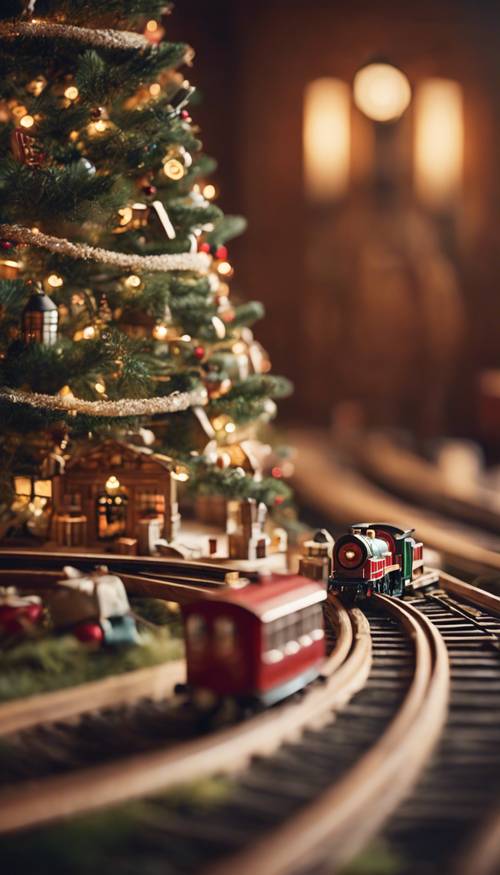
160,332
55,281
381,92
209,191
71,92
27,121
112,485
133,281
327,138
439,137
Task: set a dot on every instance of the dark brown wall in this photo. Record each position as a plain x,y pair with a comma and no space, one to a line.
253,62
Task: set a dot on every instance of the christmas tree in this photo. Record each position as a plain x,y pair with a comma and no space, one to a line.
116,319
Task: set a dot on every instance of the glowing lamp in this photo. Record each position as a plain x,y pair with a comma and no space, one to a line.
439,141
381,92
327,138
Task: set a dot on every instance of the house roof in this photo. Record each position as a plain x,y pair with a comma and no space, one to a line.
95,450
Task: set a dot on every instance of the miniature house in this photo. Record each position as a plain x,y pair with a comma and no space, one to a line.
118,489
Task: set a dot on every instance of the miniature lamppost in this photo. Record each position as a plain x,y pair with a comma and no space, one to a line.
40,318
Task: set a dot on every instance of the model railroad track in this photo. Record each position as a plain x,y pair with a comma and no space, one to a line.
26,803
451,823
166,579
324,779
394,467
142,575
337,493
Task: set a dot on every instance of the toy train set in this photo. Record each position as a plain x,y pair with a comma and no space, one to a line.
375,558
258,638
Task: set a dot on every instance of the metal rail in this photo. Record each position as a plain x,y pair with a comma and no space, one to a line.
342,819
342,495
226,751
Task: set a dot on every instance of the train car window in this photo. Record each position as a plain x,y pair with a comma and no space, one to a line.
224,636
196,631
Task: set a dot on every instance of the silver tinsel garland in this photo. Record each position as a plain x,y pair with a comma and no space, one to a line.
105,39
173,403
196,261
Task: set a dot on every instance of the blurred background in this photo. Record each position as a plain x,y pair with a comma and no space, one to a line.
362,143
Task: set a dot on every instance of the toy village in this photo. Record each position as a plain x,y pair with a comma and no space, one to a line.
249,476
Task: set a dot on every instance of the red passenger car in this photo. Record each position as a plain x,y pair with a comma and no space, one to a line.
264,641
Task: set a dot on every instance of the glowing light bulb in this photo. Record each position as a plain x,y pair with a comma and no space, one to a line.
155,89
112,484
100,125
230,427
71,92
209,192
100,388
186,338
381,92
88,332
151,25
225,268
160,332
133,281
27,121
55,281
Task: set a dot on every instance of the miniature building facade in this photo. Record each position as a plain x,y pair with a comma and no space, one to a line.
117,487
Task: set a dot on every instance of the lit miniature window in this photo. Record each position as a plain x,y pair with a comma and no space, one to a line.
196,629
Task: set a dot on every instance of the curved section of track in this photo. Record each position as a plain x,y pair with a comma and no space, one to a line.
226,751
342,819
343,495
448,823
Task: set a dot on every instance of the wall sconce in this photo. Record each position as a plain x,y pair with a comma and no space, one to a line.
439,136
327,138
381,91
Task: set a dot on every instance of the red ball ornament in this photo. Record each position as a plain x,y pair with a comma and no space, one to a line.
279,500
89,633
6,244
277,472
185,114
204,247
221,253
199,352
15,619
228,316
149,190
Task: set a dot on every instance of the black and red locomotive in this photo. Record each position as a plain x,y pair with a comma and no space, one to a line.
375,558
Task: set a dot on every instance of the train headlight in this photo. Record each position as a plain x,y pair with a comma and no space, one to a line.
350,555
